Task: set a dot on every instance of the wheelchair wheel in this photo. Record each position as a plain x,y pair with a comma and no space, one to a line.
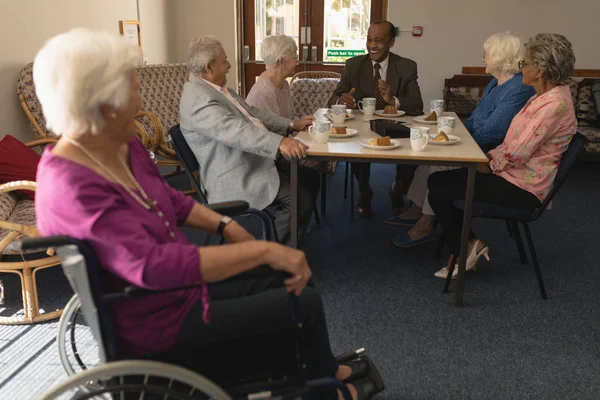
77,347
136,379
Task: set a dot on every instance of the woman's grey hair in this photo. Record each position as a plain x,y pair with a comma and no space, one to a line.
553,54
274,48
504,51
203,52
78,72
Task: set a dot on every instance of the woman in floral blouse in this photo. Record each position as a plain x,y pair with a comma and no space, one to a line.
521,171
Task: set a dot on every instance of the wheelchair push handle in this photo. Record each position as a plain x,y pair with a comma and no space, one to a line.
43,243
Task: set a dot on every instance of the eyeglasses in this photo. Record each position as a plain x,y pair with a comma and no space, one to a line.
522,63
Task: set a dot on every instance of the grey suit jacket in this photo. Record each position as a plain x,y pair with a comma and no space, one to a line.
236,157
401,76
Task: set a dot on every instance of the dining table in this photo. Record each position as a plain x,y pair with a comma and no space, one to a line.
462,153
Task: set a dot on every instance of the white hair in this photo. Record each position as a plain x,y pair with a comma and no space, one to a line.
203,52
274,48
79,71
504,51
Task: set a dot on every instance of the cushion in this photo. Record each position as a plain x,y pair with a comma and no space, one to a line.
585,96
17,163
23,213
7,204
591,133
310,94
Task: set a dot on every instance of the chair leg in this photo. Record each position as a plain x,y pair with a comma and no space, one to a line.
510,234
323,195
440,246
351,197
450,272
316,214
517,232
536,264
346,180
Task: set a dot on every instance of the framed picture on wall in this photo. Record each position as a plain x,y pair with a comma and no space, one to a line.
131,31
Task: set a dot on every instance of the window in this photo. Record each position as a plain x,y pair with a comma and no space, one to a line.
346,25
275,17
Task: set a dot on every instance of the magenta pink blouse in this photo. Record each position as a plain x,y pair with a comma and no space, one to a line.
535,142
135,245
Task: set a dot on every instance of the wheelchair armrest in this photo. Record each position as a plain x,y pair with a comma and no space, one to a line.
230,208
43,243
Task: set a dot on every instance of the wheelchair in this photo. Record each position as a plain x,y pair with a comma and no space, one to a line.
122,379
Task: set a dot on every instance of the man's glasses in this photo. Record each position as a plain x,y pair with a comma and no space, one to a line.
522,63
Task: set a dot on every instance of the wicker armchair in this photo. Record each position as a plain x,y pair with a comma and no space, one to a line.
150,130
17,220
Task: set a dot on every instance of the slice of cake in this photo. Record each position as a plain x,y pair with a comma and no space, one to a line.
390,109
441,137
431,117
338,130
381,141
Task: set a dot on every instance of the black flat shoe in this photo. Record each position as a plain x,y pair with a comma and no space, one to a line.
365,389
359,368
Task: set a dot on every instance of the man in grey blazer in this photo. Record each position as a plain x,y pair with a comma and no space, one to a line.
389,78
236,144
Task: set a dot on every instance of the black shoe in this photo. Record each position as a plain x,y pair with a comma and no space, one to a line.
359,368
365,389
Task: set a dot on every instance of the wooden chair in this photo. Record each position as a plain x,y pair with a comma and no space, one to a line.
17,220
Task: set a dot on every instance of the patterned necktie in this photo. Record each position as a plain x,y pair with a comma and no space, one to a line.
380,103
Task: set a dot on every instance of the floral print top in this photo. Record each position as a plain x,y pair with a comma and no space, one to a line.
535,142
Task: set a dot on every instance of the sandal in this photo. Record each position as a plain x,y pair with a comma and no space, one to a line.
359,368
365,389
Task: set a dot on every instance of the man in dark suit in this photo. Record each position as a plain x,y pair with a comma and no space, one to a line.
391,79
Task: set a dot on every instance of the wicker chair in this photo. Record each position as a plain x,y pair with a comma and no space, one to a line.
311,89
17,220
161,87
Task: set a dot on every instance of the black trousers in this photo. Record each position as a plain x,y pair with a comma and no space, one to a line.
447,186
309,183
362,173
243,308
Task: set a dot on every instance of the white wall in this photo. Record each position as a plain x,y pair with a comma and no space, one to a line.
26,25
155,26
454,32
193,18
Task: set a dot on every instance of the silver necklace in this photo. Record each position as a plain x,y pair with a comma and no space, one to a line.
145,201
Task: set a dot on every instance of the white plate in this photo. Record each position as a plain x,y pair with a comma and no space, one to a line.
453,139
348,116
349,133
421,119
395,143
382,114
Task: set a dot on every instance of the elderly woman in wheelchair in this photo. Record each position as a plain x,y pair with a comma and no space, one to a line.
98,184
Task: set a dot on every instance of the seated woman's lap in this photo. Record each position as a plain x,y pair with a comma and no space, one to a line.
490,188
251,323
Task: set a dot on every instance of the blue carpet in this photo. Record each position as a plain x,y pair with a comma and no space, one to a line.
506,343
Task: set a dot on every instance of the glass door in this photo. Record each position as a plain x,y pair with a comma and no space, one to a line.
327,32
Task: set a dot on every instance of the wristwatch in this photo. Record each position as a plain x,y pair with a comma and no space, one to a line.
225,220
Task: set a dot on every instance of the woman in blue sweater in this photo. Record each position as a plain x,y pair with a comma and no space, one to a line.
502,99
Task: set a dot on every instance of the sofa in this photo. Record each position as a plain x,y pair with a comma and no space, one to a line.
463,91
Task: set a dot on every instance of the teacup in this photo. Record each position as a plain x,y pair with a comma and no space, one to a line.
368,105
319,131
338,114
437,106
419,138
446,124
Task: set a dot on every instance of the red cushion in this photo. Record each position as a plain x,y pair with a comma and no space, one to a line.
17,163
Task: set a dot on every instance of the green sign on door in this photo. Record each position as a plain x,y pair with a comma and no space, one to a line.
344,53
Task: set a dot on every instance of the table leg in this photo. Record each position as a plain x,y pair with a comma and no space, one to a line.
464,240
294,210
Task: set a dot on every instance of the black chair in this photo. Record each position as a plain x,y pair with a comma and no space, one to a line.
83,270
513,215
192,167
